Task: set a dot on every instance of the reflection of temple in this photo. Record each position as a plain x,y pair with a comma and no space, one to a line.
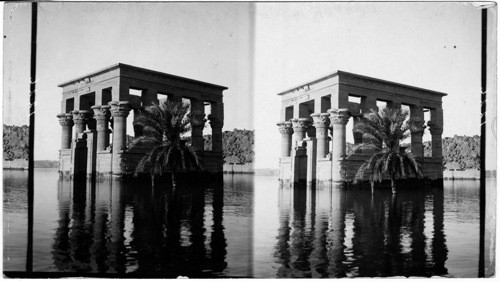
106,97
339,233
112,227
329,103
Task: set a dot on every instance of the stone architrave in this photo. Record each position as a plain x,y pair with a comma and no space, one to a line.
102,115
299,126
66,121
321,122
286,131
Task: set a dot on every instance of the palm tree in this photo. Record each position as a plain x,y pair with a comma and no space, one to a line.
383,132
162,126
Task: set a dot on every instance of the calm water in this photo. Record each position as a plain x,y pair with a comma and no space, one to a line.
114,227
251,227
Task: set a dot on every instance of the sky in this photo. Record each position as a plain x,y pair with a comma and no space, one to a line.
255,49
207,42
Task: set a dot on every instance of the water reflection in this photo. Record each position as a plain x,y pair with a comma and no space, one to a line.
125,227
336,232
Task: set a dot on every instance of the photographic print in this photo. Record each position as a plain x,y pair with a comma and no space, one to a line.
249,139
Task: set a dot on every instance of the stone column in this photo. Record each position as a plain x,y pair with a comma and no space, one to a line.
102,115
321,122
286,131
417,115
299,126
216,125
338,119
216,119
66,121
436,129
137,113
80,118
197,124
436,132
120,112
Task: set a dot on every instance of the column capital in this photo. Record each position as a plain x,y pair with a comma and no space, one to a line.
321,119
81,116
215,122
417,125
197,119
300,124
285,127
434,128
65,119
120,109
101,112
339,116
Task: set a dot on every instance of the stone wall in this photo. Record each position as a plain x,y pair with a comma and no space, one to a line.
15,164
285,168
461,174
104,162
212,161
324,170
238,168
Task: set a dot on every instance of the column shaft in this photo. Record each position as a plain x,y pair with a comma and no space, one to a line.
338,119
321,122
299,129
417,116
66,121
120,112
197,124
101,115
286,131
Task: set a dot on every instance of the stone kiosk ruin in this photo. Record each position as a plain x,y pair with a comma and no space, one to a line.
313,127
95,108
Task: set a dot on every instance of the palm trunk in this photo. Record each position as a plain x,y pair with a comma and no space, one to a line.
372,186
393,186
174,181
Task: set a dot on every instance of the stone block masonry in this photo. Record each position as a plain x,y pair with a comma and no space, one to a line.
318,111
95,109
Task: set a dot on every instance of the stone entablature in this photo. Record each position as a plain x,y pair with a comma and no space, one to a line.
94,102
326,101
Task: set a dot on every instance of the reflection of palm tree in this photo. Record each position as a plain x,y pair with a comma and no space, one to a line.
218,241
162,126
383,132
439,249
60,248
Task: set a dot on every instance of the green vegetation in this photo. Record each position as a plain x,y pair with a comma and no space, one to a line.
15,142
162,126
237,145
383,132
459,152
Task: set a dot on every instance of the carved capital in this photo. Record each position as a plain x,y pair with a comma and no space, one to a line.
434,128
101,112
340,116
65,119
120,109
215,122
321,119
285,127
417,126
300,124
197,119
81,116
